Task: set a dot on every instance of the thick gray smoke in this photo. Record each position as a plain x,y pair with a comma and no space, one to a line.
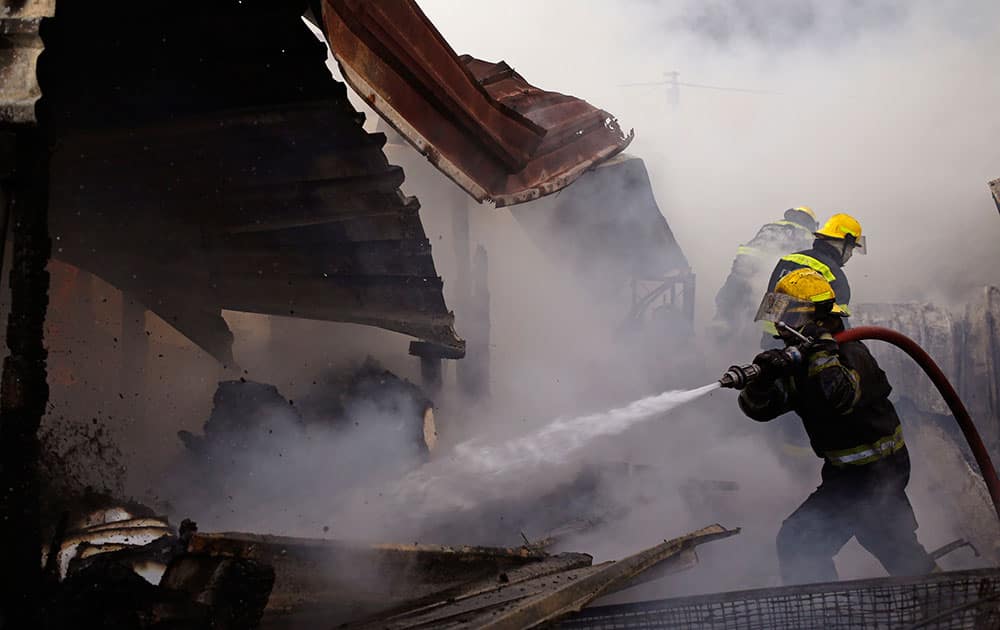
881,109
884,109
887,110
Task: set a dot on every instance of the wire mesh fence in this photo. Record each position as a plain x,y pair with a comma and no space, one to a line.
959,599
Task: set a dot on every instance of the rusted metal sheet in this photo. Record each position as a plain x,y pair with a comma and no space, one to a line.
480,123
20,47
540,600
321,583
995,189
334,581
214,164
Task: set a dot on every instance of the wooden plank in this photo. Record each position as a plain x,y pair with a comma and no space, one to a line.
347,258
313,203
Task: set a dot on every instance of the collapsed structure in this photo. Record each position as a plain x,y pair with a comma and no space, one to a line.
210,164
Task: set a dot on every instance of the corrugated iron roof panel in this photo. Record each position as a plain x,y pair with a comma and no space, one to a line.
203,168
481,123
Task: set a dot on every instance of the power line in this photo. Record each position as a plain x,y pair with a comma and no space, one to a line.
699,86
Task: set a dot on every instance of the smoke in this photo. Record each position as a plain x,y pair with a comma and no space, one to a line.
883,109
880,109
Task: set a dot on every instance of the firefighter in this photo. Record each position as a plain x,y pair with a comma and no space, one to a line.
833,246
737,298
835,243
842,397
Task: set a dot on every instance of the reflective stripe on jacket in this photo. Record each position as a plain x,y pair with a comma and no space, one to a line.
867,453
822,258
843,400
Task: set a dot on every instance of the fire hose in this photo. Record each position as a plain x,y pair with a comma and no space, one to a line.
948,392
738,377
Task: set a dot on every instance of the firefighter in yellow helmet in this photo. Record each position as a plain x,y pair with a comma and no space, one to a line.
735,301
842,397
835,242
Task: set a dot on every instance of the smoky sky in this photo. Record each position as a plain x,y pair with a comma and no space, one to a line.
778,24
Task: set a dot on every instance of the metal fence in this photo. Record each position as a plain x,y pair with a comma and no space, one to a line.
960,599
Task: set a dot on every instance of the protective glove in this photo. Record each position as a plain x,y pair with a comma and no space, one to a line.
773,364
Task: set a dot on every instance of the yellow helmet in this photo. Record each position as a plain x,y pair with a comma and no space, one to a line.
799,296
807,210
844,226
802,216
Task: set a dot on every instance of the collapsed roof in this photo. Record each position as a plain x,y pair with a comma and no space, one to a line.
213,163
330,582
497,136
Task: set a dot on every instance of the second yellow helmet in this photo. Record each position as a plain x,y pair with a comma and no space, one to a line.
844,226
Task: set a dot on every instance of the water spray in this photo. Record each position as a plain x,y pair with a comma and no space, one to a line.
739,376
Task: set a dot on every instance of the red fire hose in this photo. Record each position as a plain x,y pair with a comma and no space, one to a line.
958,409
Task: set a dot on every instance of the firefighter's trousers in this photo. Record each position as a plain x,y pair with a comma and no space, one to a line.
867,502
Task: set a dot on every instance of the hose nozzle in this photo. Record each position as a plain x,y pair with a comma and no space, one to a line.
739,376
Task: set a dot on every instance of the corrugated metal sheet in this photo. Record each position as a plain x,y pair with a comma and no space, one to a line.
214,164
322,583
481,123
542,599
328,582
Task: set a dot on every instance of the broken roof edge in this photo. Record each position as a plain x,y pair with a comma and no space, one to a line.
559,182
399,124
614,576
463,123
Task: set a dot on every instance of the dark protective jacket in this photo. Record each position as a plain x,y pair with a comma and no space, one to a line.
823,258
843,400
738,299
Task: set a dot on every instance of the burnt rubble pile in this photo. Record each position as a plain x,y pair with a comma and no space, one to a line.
121,566
261,453
368,393
246,415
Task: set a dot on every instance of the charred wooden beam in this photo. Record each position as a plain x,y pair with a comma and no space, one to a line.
474,371
24,392
330,581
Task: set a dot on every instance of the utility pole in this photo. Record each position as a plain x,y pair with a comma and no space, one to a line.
673,88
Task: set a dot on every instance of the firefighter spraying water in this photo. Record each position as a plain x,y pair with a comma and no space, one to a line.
830,379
